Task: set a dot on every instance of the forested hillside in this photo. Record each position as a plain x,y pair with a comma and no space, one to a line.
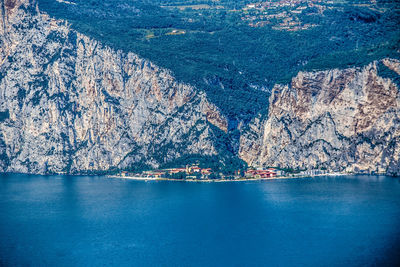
237,50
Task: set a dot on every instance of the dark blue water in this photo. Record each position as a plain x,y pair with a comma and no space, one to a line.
95,221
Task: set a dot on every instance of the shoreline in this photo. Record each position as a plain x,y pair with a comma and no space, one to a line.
140,178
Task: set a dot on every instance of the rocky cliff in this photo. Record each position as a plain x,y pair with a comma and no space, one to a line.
341,120
70,104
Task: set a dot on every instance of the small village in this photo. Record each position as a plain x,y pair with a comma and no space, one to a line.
283,15
196,173
282,3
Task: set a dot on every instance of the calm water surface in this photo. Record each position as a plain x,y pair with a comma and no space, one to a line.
96,221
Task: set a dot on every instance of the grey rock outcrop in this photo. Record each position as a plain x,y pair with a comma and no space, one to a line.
341,120
70,104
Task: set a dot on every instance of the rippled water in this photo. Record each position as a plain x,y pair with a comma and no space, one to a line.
92,221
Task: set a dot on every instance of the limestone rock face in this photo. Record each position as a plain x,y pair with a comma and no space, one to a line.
70,104
342,120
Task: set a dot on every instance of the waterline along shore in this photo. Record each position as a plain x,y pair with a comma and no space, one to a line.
198,173
244,179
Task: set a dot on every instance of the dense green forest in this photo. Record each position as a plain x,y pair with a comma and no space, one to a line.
212,44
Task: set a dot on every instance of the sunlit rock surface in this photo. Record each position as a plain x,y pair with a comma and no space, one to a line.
341,120
70,104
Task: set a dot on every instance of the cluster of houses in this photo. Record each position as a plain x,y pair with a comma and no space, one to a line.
262,173
288,21
195,172
281,3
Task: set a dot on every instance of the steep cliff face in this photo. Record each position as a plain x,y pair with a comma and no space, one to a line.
69,103
343,120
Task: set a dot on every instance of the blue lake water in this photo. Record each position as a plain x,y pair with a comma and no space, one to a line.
96,221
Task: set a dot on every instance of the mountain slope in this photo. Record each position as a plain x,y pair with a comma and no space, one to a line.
342,120
70,104
235,53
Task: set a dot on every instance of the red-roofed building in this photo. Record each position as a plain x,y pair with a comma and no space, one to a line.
176,170
206,171
194,169
260,173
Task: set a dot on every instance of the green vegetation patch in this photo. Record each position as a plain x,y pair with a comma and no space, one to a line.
210,45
